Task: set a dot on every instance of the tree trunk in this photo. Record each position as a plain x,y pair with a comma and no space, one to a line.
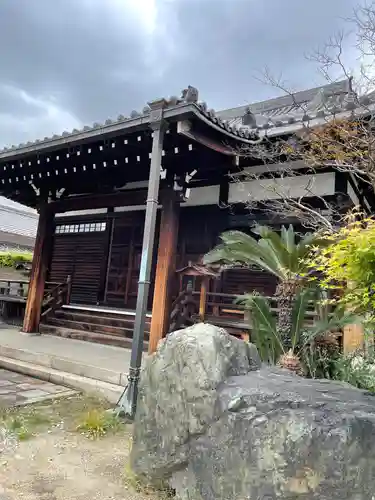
285,295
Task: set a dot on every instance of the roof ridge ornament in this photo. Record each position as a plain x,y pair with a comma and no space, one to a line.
350,100
350,89
249,118
190,95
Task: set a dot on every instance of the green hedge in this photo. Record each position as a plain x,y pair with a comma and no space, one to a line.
13,259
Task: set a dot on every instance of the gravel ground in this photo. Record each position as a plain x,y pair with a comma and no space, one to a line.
55,462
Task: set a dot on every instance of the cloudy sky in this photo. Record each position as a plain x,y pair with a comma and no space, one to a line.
65,63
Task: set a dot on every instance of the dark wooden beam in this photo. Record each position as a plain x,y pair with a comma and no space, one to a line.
165,269
87,202
107,256
42,252
224,191
341,183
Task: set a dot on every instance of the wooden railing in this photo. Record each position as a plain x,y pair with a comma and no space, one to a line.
225,305
14,290
13,297
221,309
56,297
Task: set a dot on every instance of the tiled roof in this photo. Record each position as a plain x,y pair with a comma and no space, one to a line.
17,219
286,103
289,112
173,107
281,115
13,205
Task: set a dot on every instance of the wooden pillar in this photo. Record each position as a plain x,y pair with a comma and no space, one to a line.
104,268
39,267
165,269
353,338
203,298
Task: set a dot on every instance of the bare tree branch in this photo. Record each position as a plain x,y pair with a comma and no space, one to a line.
342,139
272,192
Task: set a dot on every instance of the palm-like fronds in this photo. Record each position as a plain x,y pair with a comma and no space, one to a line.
263,325
238,248
279,254
333,322
264,332
269,341
299,313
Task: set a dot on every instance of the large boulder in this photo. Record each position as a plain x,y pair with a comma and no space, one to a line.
220,427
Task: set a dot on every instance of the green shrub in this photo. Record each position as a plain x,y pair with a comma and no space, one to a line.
14,259
311,348
347,264
356,370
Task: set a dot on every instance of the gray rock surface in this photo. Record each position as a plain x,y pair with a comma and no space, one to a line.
219,427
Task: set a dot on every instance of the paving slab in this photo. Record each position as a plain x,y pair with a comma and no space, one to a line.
88,367
21,390
99,356
101,362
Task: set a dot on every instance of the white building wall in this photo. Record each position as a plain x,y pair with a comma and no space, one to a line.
91,211
290,187
207,195
254,190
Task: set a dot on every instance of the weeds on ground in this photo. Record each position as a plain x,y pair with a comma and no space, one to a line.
18,427
85,414
23,424
96,423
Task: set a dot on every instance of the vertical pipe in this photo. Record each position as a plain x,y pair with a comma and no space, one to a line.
128,401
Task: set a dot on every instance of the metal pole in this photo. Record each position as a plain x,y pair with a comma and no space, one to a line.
128,401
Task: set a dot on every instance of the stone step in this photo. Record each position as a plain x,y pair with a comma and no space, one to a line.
120,321
116,331
102,363
100,338
107,390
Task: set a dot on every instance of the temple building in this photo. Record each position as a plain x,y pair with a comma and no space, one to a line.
91,188
18,226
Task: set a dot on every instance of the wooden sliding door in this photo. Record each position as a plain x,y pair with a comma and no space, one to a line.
124,260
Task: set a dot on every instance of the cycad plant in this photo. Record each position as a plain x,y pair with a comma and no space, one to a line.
311,348
282,254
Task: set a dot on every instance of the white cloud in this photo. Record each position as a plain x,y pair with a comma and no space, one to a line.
143,12
153,19
107,57
40,116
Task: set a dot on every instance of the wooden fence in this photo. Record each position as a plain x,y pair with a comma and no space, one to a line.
13,297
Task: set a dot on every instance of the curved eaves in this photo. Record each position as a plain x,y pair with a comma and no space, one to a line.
243,134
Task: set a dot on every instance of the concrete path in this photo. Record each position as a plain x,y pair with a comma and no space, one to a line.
18,390
73,363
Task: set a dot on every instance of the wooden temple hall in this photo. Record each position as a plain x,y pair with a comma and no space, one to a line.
91,188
